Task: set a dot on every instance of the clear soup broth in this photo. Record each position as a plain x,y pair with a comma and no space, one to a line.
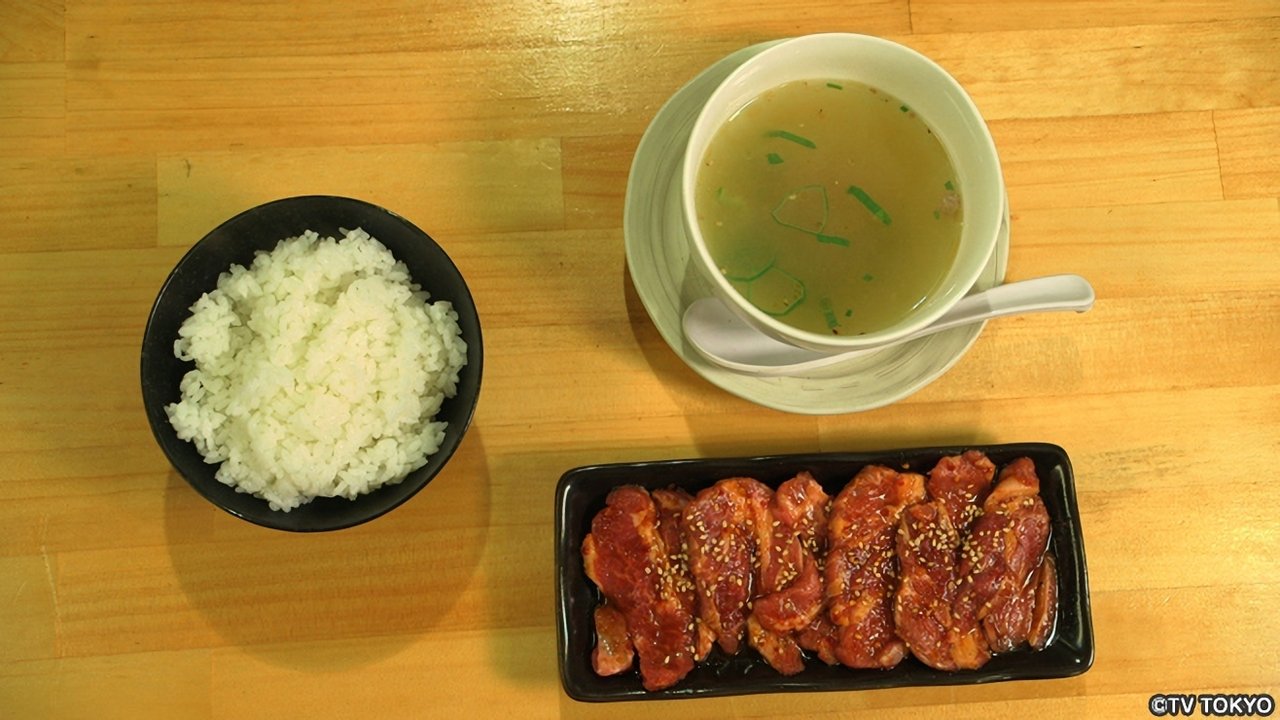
829,205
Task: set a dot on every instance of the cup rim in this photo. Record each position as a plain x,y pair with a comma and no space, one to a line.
789,333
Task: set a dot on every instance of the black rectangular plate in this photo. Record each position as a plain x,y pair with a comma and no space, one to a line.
581,494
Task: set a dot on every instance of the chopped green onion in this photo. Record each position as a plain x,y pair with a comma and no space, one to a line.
787,310
727,198
798,291
774,158
937,215
752,276
868,277
831,239
836,86
904,108
828,314
792,137
795,195
948,185
870,204
848,313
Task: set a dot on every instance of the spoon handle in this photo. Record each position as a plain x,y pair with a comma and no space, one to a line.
1042,294
724,339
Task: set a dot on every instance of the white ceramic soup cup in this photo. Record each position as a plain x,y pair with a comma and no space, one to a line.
919,83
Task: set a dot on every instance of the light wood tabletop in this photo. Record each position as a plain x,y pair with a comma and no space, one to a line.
1139,147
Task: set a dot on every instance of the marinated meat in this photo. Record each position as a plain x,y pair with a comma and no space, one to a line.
671,504
948,568
791,588
778,649
794,607
1045,612
625,557
614,652
928,545
799,508
821,638
861,567
725,528
961,483
1002,571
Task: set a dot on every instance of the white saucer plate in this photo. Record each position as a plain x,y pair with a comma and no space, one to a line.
657,247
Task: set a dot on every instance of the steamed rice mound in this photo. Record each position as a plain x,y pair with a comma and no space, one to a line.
318,371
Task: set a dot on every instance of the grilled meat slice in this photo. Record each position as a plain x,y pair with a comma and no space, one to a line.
724,528
671,504
861,566
614,652
625,556
929,541
1000,569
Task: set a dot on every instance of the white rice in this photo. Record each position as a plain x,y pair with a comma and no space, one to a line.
319,371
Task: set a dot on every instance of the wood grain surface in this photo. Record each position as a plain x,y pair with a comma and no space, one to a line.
1139,143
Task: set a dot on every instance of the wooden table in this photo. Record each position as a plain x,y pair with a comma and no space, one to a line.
1139,142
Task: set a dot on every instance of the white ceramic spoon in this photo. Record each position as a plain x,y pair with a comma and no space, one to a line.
722,337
